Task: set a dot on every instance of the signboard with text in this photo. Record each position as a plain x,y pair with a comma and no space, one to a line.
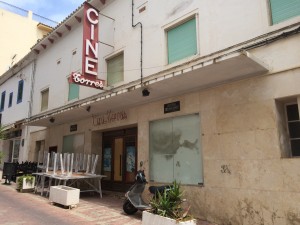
88,77
172,107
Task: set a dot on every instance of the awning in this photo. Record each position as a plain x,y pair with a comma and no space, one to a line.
192,76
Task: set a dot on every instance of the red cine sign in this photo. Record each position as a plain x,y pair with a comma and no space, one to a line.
88,77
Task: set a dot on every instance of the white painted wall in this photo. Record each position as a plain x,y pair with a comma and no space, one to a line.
17,111
238,120
221,24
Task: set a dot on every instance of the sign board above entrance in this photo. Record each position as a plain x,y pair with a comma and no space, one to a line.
172,107
109,117
88,77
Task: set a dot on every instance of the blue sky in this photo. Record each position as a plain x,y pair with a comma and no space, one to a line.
56,10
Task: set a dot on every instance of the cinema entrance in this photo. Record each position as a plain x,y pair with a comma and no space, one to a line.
119,159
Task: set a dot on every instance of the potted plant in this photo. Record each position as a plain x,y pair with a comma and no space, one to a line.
25,182
64,195
168,208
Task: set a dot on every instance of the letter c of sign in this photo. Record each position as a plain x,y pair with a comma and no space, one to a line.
89,15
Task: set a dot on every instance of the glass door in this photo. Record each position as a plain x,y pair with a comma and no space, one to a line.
14,150
119,158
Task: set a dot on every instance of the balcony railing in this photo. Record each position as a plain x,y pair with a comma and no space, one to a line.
26,13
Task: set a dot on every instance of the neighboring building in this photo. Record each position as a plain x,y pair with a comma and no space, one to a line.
15,91
20,31
206,94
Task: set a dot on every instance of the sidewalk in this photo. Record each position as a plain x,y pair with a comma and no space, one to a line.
38,210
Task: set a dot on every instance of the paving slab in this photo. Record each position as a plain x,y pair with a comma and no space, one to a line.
28,208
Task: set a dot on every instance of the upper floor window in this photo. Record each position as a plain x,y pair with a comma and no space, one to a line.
20,91
73,91
182,41
2,101
115,69
282,10
44,99
10,100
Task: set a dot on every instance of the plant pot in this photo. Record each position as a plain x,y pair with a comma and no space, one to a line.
152,219
26,185
64,195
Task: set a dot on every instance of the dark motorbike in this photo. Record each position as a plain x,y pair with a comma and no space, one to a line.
134,200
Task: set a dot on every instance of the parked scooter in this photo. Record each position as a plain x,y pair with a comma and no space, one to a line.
134,200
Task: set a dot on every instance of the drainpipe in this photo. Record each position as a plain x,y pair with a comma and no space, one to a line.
134,25
32,88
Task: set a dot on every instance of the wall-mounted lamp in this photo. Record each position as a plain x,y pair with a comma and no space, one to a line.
88,108
146,92
52,120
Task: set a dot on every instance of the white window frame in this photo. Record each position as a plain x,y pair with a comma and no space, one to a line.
286,123
116,54
177,22
41,96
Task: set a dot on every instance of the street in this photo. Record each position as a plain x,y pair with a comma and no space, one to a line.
27,208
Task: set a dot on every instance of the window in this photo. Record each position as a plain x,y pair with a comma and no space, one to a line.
289,126
45,99
20,91
182,41
73,91
2,101
282,10
115,69
73,143
175,150
14,149
293,124
10,99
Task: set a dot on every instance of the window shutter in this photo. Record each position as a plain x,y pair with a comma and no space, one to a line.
73,91
182,41
20,91
45,96
115,70
284,9
2,101
10,99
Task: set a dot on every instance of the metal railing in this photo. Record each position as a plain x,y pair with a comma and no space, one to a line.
25,13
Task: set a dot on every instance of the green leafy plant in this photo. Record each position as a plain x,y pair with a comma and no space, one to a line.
170,204
28,179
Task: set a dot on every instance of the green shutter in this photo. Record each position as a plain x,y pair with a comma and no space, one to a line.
2,101
68,144
45,98
115,70
284,9
20,91
73,91
182,41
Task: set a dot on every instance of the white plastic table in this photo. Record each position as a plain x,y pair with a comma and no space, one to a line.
63,178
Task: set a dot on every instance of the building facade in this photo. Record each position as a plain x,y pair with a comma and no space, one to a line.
15,23
21,29
202,92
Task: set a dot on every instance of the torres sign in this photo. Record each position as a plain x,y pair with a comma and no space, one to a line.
88,77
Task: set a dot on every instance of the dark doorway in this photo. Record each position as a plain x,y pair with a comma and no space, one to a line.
119,159
53,149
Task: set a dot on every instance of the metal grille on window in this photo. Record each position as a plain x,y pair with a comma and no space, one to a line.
294,128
